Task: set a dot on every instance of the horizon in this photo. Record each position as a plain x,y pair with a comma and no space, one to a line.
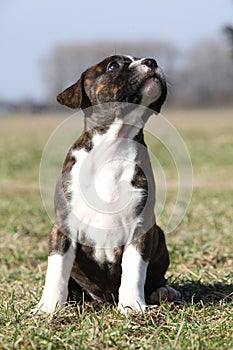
29,32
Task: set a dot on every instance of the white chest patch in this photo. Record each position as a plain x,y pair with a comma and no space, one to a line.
103,199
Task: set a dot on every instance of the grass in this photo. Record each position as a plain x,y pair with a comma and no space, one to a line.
201,249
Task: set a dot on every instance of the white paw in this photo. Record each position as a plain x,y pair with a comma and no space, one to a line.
164,293
128,306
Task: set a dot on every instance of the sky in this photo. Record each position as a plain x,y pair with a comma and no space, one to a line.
30,29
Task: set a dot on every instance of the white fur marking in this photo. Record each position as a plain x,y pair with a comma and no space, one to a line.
151,91
136,63
103,198
56,282
130,57
131,292
103,256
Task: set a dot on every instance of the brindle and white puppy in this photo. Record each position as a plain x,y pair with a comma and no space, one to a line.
128,261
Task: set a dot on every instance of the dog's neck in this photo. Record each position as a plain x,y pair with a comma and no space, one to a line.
127,120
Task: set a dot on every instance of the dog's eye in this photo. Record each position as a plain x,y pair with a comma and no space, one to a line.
113,66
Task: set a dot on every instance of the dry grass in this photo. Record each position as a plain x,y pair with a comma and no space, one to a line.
201,250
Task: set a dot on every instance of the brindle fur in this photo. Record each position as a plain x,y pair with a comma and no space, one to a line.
102,281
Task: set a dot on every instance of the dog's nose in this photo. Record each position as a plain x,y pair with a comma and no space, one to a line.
150,62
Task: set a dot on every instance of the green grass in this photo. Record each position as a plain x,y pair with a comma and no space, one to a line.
201,249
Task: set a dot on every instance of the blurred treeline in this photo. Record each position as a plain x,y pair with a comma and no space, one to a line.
200,76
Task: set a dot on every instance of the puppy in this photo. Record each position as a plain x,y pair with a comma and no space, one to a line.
105,239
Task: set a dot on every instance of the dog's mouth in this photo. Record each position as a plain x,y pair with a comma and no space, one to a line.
151,88
153,77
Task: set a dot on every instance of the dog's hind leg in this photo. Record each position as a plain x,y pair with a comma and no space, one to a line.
60,262
156,289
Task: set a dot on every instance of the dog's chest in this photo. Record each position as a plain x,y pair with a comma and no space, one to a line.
103,199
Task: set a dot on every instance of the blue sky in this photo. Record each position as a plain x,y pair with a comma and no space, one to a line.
30,29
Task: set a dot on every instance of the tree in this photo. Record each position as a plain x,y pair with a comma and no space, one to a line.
228,30
206,78
201,76
229,33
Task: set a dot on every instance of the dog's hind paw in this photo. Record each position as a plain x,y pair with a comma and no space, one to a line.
166,293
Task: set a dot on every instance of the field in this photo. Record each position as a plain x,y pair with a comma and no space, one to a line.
201,248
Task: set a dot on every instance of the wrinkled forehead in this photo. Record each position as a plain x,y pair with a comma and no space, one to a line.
131,58
100,67
123,58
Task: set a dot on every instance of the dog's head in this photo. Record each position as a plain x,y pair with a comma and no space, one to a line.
118,78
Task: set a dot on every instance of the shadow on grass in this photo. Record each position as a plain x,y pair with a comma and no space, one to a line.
192,292
195,292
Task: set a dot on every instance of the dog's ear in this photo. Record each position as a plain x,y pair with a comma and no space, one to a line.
75,96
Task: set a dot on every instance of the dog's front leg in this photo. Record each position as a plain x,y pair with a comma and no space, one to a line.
131,291
60,262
